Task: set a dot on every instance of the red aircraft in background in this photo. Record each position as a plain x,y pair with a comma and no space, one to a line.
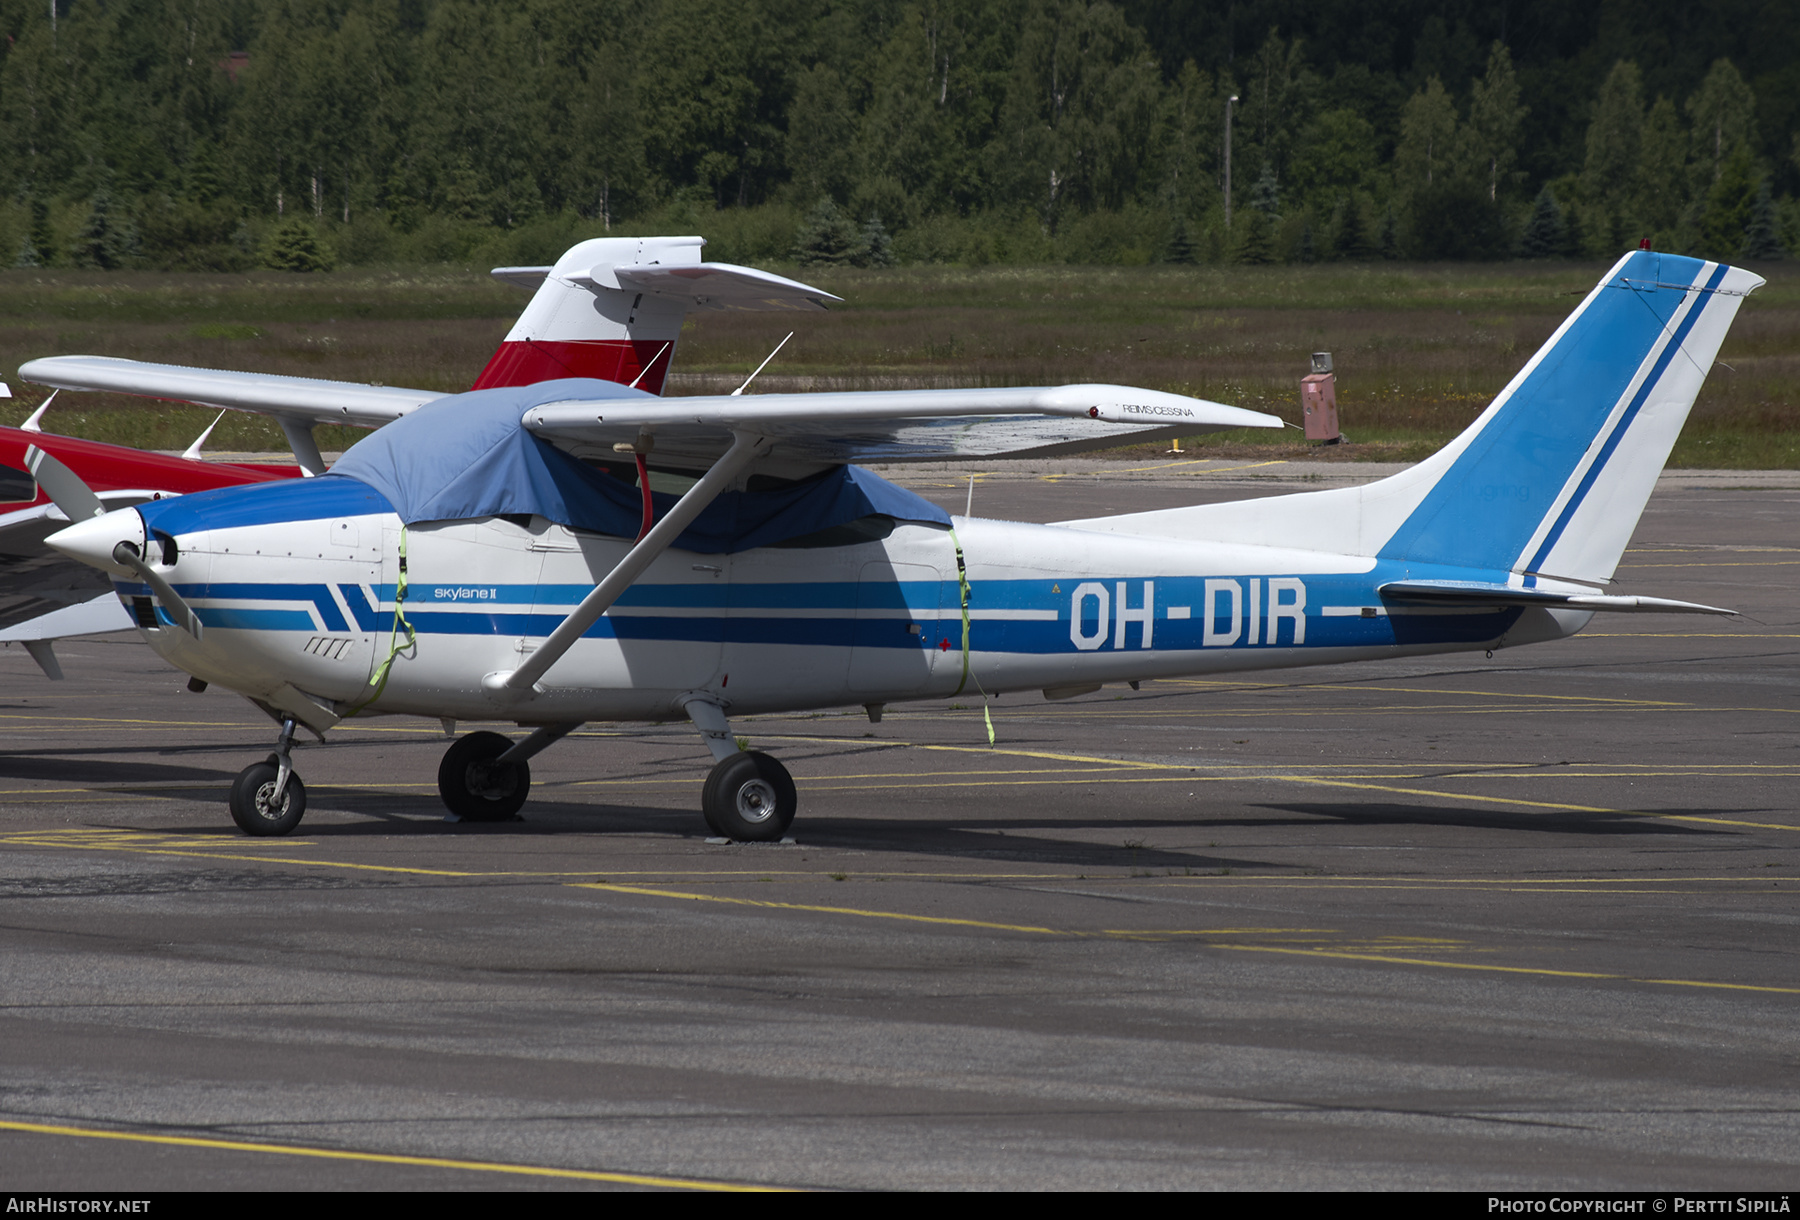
611,309
44,597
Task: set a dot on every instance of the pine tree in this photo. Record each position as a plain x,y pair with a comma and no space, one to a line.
1387,240
828,238
1545,234
1181,249
105,241
1762,238
43,238
1256,238
875,248
1265,195
1728,206
295,247
1350,234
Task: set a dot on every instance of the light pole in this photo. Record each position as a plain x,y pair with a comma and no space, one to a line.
1229,103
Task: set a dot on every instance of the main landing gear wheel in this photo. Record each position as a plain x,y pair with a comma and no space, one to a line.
749,797
476,786
253,804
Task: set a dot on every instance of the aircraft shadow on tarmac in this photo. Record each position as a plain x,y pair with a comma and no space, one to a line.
1130,841
68,767
1562,822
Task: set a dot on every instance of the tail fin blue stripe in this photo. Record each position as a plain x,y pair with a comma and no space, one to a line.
1624,424
1486,508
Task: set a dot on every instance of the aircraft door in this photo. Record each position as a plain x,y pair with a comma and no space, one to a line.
899,636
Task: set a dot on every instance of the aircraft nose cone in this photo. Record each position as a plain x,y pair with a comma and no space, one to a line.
92,541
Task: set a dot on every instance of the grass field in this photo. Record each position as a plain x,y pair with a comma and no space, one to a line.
1419,350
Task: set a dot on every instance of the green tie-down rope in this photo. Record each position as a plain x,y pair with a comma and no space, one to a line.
962,580
379,678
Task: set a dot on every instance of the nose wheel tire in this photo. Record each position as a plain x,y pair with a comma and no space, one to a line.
253,804
749,797
476,786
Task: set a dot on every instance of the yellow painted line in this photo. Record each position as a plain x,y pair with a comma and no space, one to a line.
1074,758
1345,955
384,1158
1357,687
1746,772
1504,800
1684,635
1541,971
823,910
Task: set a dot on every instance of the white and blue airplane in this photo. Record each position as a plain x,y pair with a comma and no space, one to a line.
580,550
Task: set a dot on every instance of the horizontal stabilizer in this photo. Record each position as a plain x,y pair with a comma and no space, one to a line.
521,277
696,285
718,286
308,399
1475,593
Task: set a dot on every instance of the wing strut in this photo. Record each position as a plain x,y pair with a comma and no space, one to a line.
299,433
659,539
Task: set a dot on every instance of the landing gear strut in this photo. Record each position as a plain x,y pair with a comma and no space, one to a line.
748,795
267,798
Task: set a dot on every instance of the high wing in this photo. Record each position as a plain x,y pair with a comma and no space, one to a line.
298,404
826,428
313,399
832,428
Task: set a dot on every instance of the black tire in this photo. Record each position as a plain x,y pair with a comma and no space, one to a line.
476,788
251,806
749,797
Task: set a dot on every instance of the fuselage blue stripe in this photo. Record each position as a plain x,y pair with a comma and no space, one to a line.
1333,615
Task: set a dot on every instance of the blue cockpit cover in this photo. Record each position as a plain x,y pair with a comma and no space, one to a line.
468,456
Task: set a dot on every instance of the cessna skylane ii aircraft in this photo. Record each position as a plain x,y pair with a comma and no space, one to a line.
576,550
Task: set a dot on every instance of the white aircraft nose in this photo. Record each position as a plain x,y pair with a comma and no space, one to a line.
92,541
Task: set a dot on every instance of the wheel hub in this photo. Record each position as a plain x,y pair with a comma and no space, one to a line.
265,802
756,801
492,781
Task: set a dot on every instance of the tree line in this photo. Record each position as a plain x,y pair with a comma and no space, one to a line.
226,134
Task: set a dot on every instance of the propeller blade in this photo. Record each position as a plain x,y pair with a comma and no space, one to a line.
66,489
178,610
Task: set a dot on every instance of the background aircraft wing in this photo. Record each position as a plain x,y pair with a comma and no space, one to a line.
306,400
895,425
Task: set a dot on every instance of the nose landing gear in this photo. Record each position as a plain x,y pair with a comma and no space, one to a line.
267,798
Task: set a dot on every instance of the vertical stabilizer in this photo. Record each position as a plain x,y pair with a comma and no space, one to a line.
1554,475
612,309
